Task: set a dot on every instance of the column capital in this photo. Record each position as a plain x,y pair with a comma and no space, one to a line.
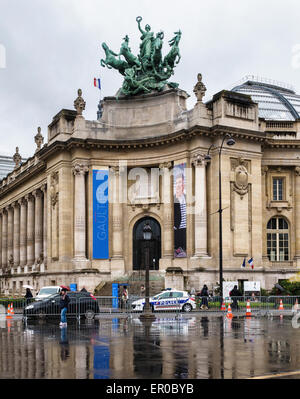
199,160
165,165
22,201
37,193
297,170
29,197
43,188
80,169
15,204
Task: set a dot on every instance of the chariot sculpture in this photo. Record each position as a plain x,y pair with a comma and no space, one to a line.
149,71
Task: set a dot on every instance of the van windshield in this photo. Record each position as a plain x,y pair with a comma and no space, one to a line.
48,291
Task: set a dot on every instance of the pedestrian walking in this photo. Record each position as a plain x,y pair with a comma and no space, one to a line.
234,293
142,290
64,302
124,297
28,295
204,295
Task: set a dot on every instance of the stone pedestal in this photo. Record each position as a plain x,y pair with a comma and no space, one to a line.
148,115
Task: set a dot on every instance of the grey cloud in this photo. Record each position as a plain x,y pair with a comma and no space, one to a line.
53,48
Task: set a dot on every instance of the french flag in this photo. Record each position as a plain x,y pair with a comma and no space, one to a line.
97,83
244,263
250,261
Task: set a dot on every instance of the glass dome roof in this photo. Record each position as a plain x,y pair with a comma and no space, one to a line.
276,100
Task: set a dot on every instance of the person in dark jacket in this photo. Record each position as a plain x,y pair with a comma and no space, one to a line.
64,302
83,289
28,295
204,295
234,293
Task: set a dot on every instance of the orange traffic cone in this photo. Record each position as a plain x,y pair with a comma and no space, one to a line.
248,309
223,306
8,325
281,305
229,312
8,315
12,309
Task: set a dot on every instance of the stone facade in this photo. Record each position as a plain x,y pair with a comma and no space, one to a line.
46,203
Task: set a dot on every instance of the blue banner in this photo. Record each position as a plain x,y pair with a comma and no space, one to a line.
100,214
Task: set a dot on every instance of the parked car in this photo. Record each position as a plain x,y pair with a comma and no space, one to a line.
46,292
81,303
168,300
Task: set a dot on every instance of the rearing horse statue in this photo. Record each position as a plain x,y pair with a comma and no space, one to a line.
170,58
112,62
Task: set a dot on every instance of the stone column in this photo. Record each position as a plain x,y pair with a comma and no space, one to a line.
200,206
80,259
167,200
16,234
30,229
4,238
45,224
1,212
10,229
38,226
117,216
23,232
297,215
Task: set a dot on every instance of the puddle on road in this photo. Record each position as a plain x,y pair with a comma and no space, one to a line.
187,347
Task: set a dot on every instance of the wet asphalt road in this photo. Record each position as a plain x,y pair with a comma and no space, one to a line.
189,346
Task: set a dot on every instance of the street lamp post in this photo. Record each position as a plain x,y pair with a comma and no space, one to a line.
147,314
230,141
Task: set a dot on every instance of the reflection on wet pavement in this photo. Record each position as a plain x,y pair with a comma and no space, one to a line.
189,346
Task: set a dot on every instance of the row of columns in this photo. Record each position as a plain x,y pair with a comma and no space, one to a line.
200,217
23,231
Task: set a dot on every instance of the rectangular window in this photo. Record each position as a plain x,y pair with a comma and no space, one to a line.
277,189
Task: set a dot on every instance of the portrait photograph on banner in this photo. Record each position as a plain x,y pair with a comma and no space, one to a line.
179,179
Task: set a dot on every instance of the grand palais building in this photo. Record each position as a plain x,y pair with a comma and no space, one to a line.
74,211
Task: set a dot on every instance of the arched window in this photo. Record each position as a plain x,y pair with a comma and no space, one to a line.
278,239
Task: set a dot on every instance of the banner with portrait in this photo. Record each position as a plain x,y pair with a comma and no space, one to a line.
100,214
179,190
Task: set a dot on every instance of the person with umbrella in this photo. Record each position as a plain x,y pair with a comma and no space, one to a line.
64,302
28,295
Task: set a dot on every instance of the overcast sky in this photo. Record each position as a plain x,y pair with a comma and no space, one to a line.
52,48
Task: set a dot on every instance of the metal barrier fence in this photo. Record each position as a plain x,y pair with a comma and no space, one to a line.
89,306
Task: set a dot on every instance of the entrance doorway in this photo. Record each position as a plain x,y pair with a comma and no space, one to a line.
139,244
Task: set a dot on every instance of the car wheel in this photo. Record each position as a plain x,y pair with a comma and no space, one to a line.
187,307
89,314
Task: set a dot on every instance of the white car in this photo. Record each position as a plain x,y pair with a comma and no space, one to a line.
168,300
45,292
